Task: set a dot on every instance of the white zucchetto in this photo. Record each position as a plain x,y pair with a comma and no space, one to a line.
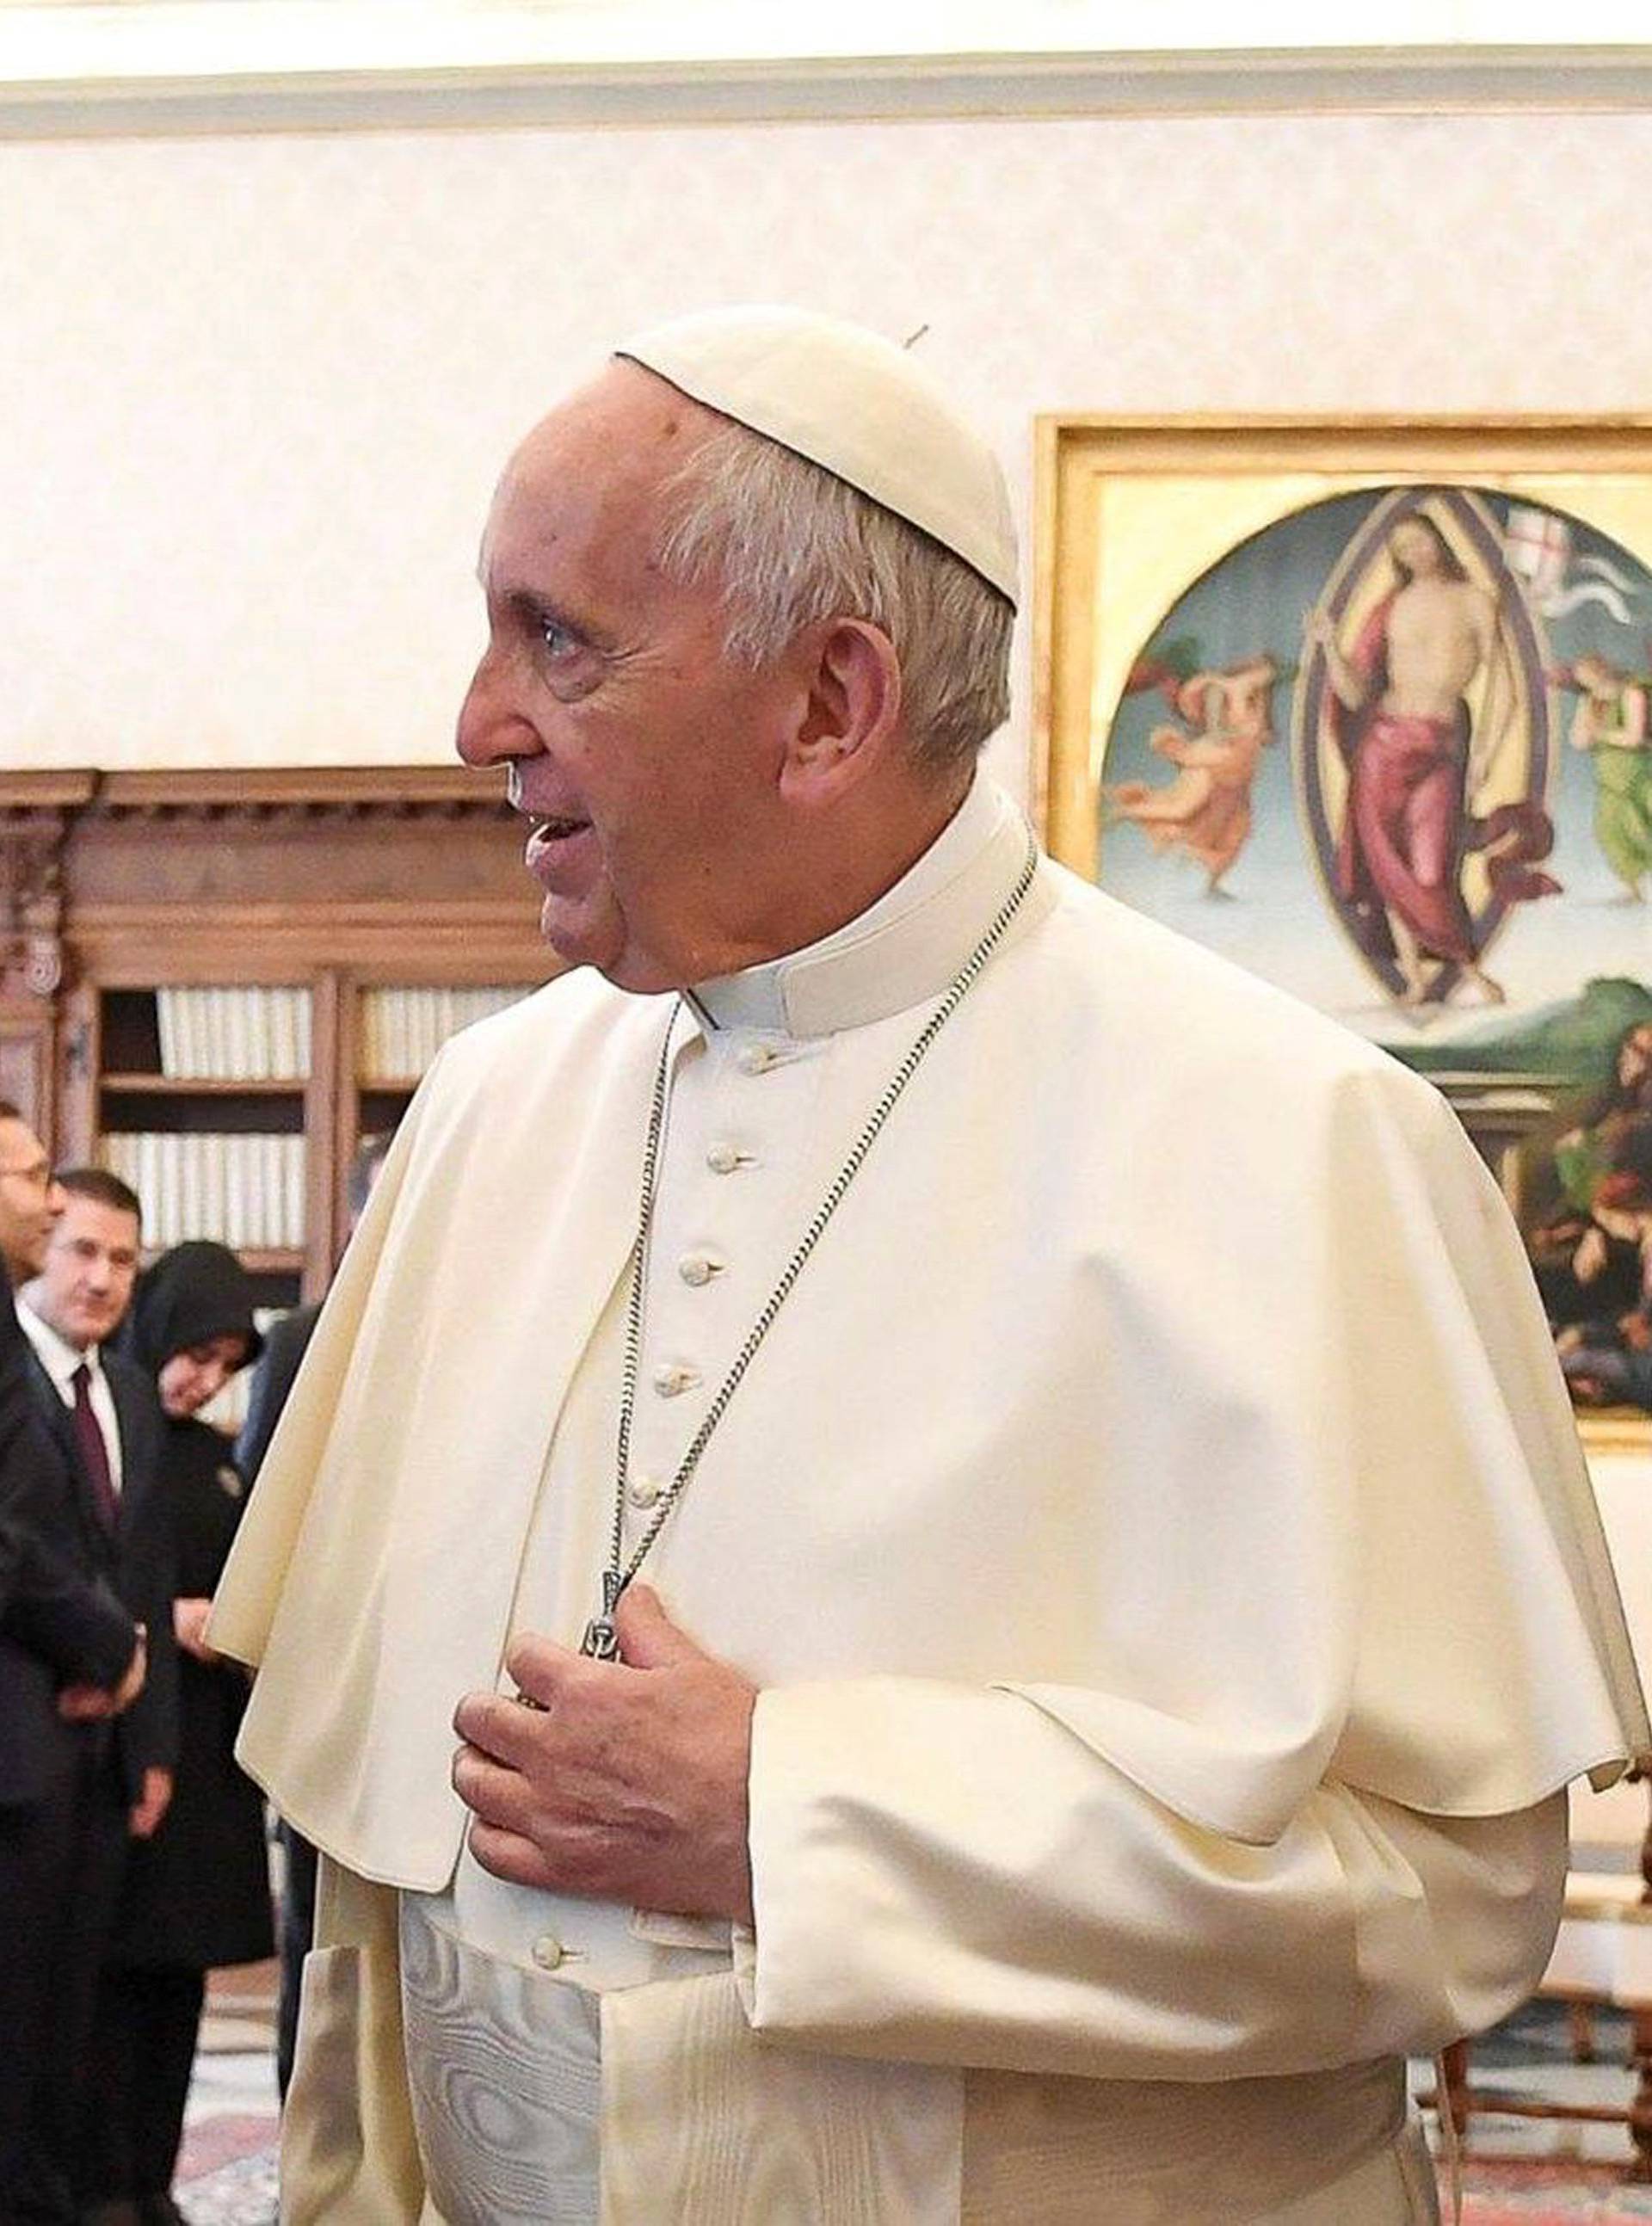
855,403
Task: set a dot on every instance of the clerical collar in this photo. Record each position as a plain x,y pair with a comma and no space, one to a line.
903,947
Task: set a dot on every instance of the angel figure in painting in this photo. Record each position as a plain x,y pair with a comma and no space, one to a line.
1206,811
1610,723
1417,759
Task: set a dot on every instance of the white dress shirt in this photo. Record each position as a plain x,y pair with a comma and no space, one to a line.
59,1359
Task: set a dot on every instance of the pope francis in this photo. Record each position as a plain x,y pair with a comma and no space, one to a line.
929,1565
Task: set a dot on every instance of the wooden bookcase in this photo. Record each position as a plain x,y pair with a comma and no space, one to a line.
337,882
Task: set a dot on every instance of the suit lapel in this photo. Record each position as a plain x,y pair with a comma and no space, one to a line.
134,1482
61,1422
57,1415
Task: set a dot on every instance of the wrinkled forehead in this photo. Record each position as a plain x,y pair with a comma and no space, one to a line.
596,468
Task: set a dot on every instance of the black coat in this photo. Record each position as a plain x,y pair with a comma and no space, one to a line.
198,1893
136,1559
60,1621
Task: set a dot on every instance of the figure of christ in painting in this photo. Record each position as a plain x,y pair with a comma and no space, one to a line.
1610,723
1399,709
1205,810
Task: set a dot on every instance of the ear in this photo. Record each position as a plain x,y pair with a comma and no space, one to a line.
850,714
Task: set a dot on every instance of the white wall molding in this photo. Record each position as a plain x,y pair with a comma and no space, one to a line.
886,87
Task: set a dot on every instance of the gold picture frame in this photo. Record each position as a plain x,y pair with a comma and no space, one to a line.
1212,540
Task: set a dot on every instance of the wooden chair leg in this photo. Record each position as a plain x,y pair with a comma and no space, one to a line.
1580,2021
1640,2110
1454,2059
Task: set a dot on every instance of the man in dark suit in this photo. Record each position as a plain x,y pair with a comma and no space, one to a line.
71,1658
285,1344
106,1421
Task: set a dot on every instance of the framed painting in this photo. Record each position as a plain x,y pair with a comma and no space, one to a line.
1366,706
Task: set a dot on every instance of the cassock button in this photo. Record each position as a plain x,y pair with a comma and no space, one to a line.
672,1378
722,1159
548,1951
697,1269
644,1493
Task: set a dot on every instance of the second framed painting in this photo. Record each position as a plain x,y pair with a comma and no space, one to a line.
1367,707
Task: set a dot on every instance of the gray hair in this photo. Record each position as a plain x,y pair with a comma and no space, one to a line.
788,544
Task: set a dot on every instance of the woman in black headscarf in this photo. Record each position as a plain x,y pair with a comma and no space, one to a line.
197,1894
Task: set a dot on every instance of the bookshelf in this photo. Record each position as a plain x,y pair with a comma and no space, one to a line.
218,982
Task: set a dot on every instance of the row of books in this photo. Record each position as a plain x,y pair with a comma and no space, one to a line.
255,1034
243,1190
245,1035
401,1030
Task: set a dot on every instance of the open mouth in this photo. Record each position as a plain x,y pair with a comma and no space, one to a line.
553,839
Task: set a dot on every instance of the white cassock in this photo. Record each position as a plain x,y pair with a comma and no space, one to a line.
1155,1521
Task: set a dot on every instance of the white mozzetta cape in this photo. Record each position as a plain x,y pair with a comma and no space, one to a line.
1167,1414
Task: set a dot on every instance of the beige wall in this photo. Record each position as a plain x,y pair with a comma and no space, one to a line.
254,390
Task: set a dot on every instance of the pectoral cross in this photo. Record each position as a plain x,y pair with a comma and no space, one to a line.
601,1640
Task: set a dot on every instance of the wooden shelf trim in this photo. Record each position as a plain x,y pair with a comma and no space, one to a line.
174,1086
337,879
269,1260
256,944
21,793
378,789
257,1259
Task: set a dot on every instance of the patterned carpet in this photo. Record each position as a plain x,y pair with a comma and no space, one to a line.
1556,2194
240,2192
227,2174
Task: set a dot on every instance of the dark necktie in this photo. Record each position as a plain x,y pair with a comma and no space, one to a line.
94,1447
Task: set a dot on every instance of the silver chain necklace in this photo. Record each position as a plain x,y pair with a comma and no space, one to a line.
600,1639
